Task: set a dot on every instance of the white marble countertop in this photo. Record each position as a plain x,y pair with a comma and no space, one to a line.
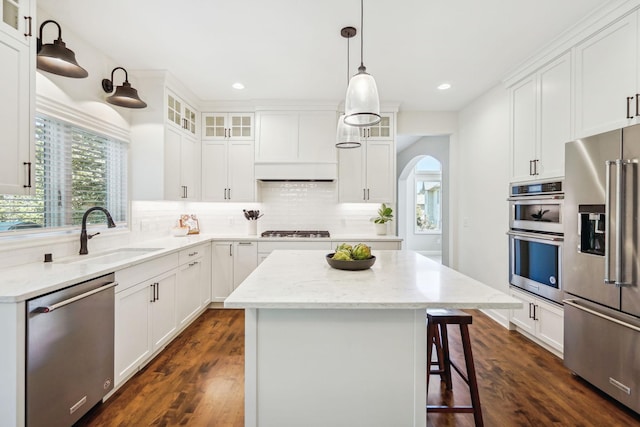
398,279
30,280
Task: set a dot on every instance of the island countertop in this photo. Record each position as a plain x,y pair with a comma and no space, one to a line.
398,280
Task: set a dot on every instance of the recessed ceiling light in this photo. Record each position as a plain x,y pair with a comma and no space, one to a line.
444,86
238,86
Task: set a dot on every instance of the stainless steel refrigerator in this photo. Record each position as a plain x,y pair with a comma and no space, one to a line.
601,262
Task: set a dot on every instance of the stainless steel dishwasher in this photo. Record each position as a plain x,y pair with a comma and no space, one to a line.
69,352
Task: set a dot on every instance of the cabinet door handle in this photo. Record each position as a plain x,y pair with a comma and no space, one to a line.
245,243
155,292
535,167
637,104
28,165
368,197
530,315
229,193
629,116
27,26
535,315
530,167
364,194
230,247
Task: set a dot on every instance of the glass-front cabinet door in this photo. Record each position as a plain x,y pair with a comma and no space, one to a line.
241,126
214,126
382,131
227,126
174,110
181,115
16,19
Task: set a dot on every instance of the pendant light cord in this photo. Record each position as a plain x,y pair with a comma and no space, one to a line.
362,33
348,55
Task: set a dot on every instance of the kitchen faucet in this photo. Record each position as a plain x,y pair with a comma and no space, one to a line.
83,233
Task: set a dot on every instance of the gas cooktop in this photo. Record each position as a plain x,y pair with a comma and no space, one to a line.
295,233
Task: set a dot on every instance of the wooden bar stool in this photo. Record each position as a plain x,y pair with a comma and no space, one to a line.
437,321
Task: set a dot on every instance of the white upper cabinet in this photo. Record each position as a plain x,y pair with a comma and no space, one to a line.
367,173
606,78
17,91
541,121
227,126
227,171
296,136
165,149
182,166
228,157
181,115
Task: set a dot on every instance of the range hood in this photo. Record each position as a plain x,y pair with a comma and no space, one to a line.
296,171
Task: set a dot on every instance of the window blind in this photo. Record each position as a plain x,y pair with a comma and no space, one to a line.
74,170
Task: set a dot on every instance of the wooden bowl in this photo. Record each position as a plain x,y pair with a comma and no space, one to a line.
356,264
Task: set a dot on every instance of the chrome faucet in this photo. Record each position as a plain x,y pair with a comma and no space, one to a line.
84,237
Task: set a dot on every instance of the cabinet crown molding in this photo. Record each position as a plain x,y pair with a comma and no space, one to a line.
599,19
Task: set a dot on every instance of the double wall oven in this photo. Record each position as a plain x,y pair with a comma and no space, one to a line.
536,236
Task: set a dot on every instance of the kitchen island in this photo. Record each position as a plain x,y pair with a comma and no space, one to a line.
326,347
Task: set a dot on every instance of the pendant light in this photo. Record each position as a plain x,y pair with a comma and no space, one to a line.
362,105
125,95
347,136
56,58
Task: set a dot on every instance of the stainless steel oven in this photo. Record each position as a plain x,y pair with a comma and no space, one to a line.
536,236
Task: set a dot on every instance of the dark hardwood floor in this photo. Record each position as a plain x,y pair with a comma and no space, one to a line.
199,380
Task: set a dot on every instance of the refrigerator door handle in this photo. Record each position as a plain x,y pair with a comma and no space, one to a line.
607,224
620,218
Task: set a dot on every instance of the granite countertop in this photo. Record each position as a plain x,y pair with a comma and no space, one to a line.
398,279
30,280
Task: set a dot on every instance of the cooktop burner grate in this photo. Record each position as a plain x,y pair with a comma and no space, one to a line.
295,233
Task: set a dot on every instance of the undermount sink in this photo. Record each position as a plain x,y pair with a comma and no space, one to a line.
111,256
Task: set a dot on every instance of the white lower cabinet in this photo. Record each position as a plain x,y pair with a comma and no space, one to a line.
189,301
539,319
154,301
232,262
145,320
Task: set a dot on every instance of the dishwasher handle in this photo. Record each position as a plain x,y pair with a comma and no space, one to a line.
50,308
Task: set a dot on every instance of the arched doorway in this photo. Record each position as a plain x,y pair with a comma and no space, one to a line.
423,197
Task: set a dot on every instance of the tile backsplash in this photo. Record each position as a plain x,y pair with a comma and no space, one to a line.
285,205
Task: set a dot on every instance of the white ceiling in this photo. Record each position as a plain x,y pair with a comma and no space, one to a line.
292,49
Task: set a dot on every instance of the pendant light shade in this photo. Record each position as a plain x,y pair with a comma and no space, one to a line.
362,104
347,136
125,95
56,58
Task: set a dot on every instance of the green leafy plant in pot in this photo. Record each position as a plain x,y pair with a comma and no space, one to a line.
385,214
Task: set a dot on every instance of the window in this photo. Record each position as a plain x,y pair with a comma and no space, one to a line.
428,196
74,170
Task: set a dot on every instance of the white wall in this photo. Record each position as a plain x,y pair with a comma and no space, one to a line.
482,164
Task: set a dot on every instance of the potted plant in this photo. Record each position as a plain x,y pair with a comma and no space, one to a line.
385,214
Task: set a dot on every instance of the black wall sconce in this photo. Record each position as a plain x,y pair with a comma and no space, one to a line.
56,58
125,95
